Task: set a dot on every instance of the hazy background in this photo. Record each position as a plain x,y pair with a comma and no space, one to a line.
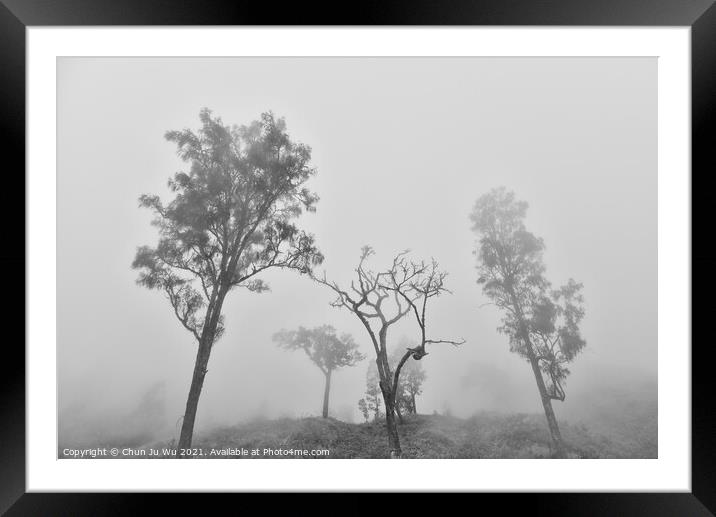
403,147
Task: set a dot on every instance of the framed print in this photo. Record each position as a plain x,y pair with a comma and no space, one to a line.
461,240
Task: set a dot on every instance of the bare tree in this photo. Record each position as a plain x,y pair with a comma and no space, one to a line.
230,220
381,299
327,350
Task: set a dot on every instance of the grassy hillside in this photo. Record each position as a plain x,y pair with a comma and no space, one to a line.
486,435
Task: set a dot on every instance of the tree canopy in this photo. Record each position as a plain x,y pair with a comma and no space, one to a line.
322,345
230,218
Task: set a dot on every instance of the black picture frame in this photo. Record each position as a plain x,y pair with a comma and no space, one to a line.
16,15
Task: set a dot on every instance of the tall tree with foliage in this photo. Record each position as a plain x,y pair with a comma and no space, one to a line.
230,219
381,299
325,348
542,323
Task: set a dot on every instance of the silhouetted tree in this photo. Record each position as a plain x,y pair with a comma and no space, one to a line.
327,351
230,219
542,324
381,299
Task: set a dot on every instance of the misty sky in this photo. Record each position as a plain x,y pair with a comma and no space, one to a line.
403,147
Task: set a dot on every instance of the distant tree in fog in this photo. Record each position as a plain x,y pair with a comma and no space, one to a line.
413,377
381,299
230,219
363,407
327,350
542,323
408,387
371,401
410,381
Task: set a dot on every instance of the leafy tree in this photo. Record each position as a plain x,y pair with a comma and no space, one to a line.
381,299
542,324
363,407
327,351
371,401
230,219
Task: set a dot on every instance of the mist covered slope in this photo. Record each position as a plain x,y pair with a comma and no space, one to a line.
485,435
618,421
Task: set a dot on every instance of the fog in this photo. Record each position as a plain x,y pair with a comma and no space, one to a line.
403,147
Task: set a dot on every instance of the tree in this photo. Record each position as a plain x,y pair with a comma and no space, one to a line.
371,401
327,351
381,299
230,219
363,407
542,324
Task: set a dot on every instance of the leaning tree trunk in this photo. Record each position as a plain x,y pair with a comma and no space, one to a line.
192,402
326,393
556,436
197,379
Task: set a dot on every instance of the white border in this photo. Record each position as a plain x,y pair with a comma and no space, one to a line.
671,471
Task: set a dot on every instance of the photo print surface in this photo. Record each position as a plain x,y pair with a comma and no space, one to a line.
357,258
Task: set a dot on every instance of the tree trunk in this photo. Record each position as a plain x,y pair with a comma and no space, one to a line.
388,387
393,438
414,408
557,444
192,402
556,436
326,393
390,424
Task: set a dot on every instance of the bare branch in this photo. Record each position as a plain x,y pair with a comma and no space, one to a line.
447,341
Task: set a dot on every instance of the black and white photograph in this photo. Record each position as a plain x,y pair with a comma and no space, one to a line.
357,257
470,236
